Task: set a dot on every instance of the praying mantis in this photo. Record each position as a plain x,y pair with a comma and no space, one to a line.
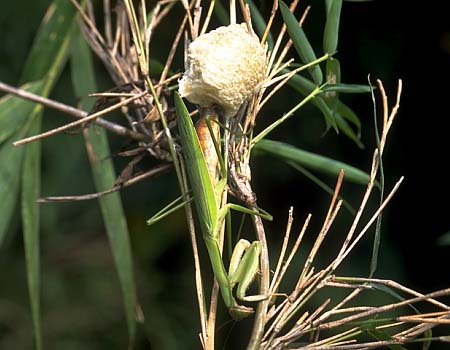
207,194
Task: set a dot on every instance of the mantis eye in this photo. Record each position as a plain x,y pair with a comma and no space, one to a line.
224,68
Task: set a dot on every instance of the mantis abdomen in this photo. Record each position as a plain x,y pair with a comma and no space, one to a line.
209,116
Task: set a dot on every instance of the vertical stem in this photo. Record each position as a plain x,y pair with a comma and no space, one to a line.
261,310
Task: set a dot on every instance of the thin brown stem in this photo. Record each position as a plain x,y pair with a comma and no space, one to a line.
78,113
148,174
82,121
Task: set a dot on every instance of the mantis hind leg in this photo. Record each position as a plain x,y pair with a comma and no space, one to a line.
244,266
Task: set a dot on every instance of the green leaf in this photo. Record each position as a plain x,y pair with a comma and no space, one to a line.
259,23
347,130
50,42
333,71
328,5
348,114
99,154
312,161
221,13
45,61
331,33
31,184
347,88
14,110
11,161
301,42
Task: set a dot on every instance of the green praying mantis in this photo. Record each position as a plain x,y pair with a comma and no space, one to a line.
207,194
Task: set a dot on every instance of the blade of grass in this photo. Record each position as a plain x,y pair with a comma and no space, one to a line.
331,33
348,114
31,180
10,160
333,72
45,61
312,161
99,154
221,13
301,42
347,88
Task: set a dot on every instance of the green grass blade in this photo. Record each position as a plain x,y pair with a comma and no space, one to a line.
221,13
51,38
14,110
202,187
347,130
348,114
333,71
104,177
347,88
331,33
301,42
31,171
312,161
259,23
11,161
45,61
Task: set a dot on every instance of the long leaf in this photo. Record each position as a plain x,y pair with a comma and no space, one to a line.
331,33
347,88
31,180
312,161
45,62
333,72
104,176
301,42
11,161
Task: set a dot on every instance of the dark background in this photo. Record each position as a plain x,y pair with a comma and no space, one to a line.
411,42
81,300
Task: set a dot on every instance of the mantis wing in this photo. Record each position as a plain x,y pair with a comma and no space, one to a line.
202,187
